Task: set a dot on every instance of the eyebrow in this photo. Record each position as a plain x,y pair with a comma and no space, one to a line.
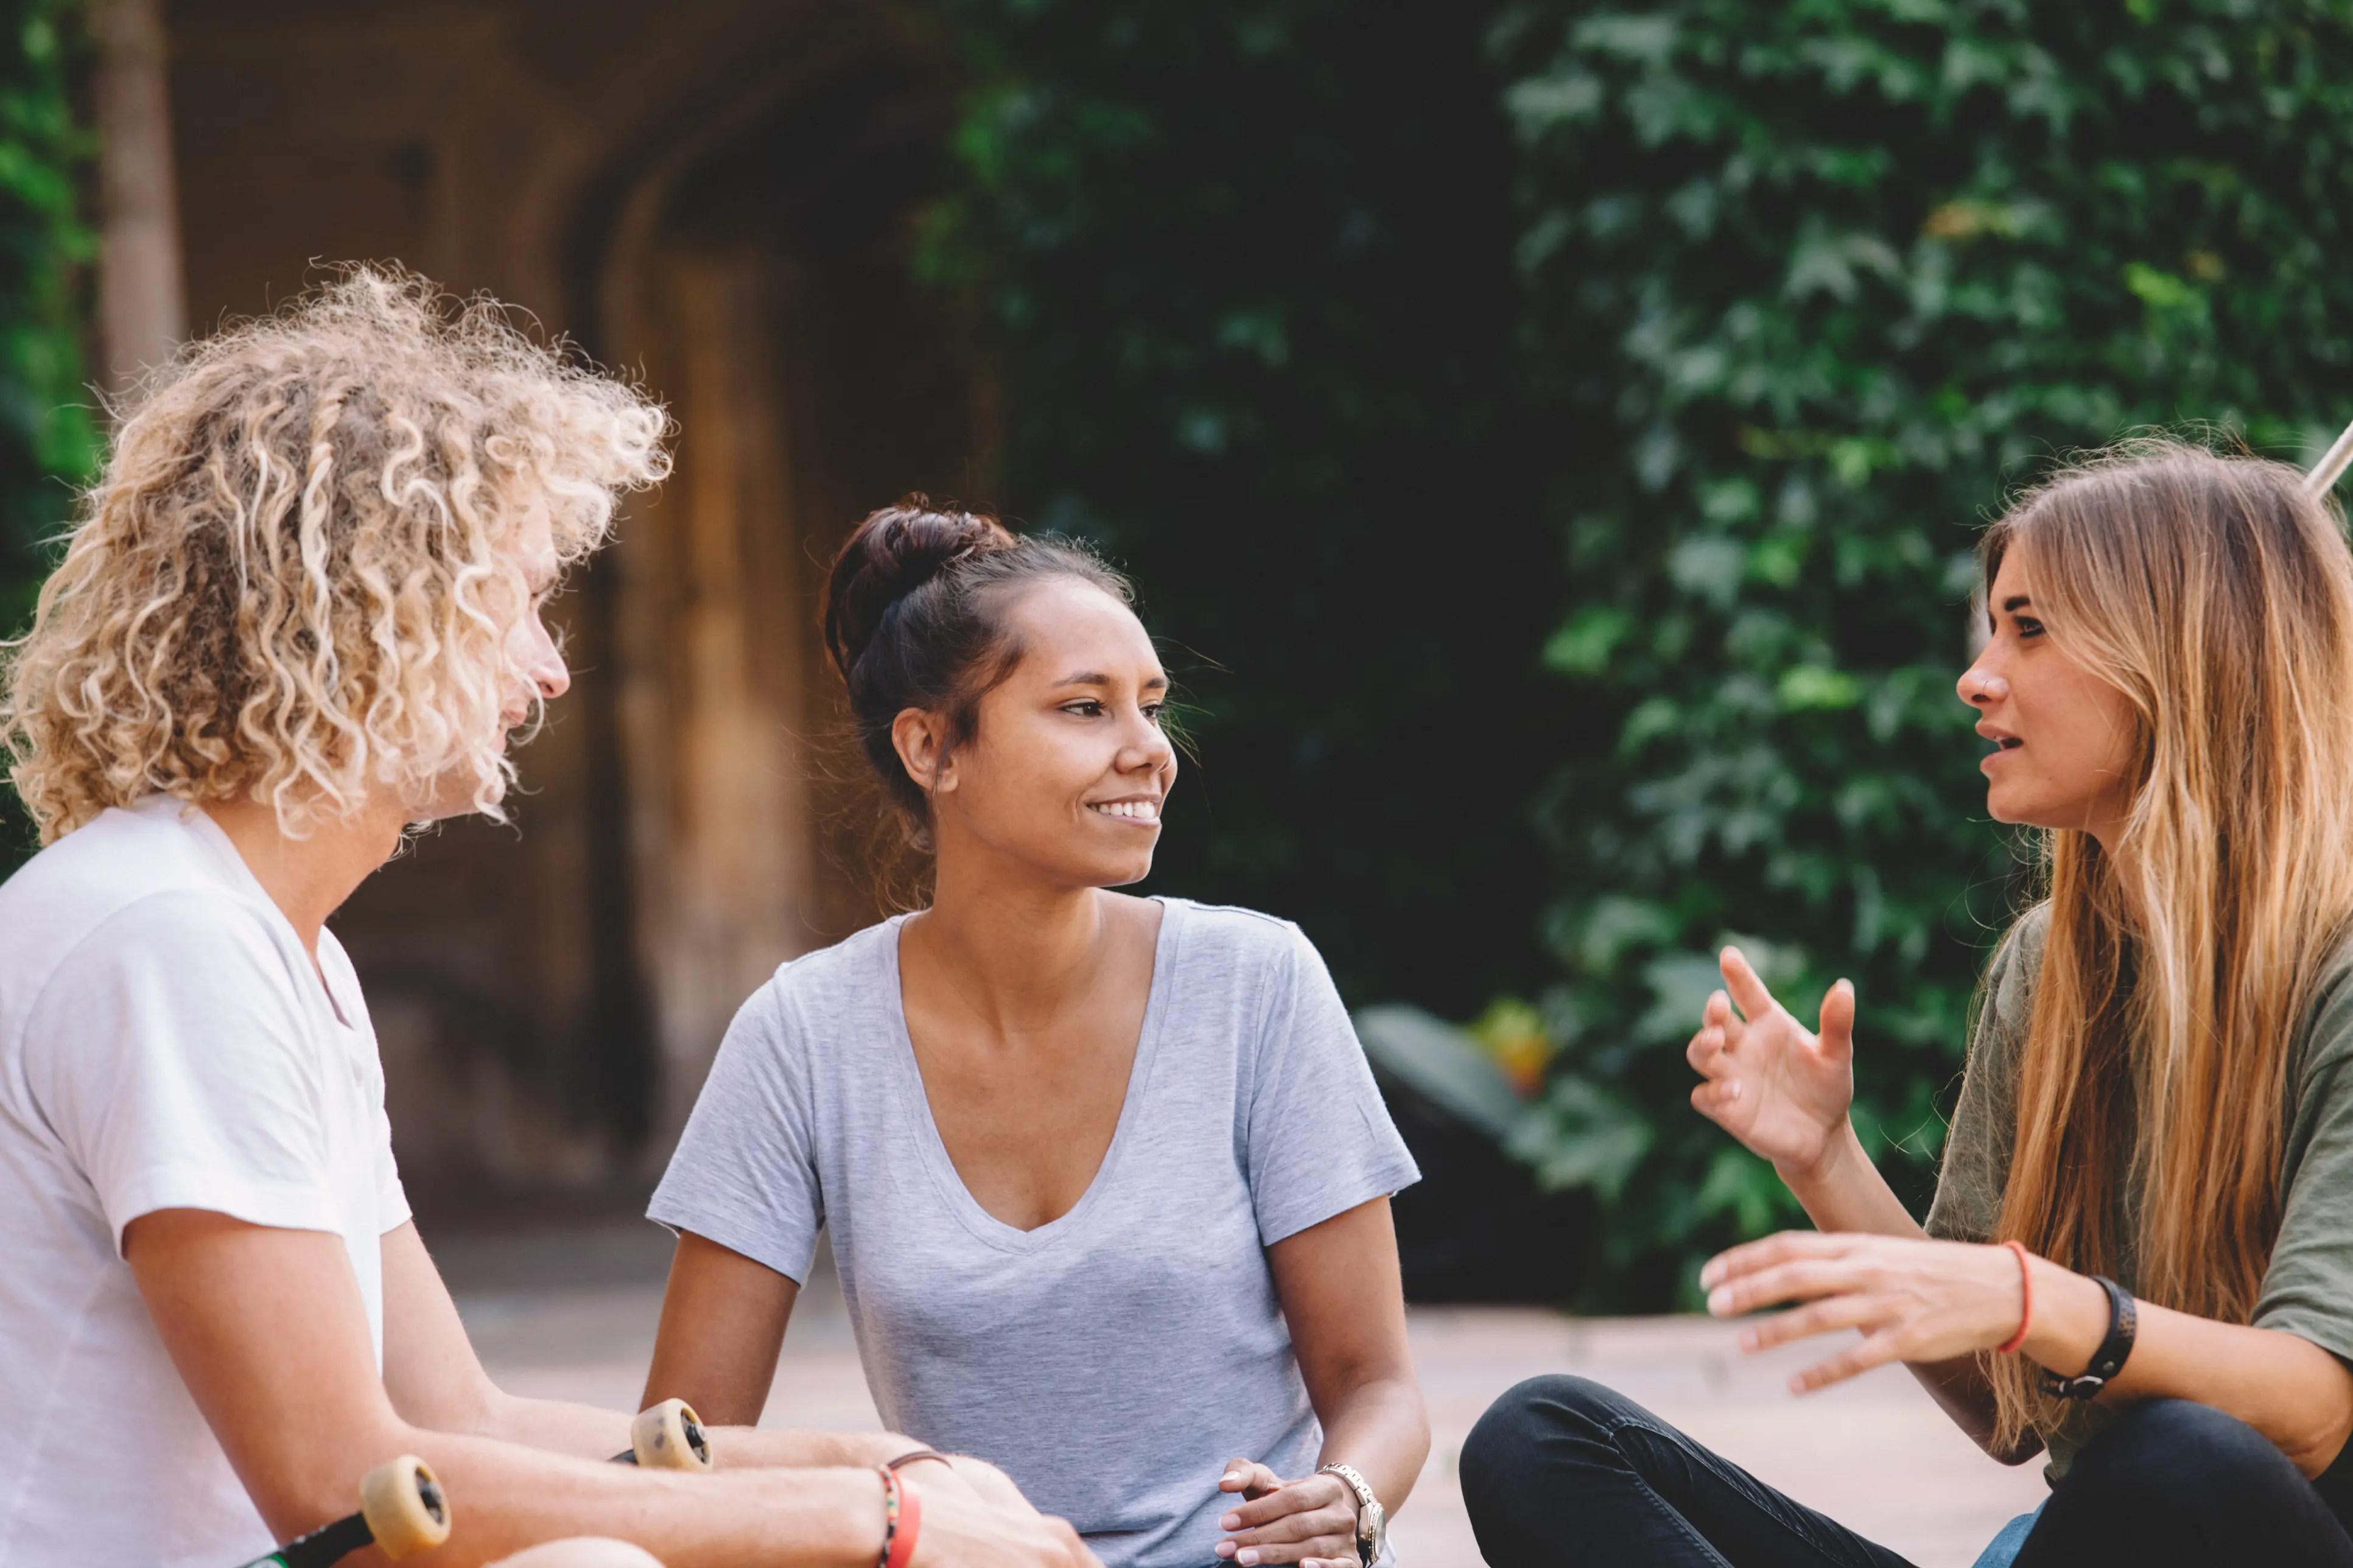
2016,602
1096,677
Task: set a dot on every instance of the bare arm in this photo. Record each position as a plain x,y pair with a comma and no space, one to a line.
722,1328
1938,1302
2287,1388
267,1329
1345,1302
1344,1299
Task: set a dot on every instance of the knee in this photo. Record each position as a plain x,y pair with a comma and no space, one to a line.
1509,1444
583,1552
2165,1455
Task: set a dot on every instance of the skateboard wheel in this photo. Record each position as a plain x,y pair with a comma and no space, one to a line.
404,1507
668,1437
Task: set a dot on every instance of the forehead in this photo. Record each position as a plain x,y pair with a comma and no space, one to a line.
1066,625
2012,578
532,545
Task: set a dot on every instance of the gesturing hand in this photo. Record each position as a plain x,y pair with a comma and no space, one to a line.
1311,1522
1915,1301
1782,1091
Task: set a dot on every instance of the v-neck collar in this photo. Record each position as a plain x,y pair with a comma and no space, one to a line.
968,1210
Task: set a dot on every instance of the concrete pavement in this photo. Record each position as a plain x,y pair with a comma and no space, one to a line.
571,1314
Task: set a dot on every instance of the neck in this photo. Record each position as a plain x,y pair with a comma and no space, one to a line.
309,879
1015,950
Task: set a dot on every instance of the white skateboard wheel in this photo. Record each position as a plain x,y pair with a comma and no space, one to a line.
668,1437
404,1507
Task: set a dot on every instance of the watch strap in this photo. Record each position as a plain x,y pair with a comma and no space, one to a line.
2109,1359
1370,1514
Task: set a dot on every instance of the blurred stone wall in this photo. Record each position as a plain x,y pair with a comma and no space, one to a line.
718,198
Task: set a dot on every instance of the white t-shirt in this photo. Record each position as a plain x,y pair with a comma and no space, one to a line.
164,1043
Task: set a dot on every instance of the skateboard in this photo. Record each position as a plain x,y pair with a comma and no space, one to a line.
402,1509
667,1436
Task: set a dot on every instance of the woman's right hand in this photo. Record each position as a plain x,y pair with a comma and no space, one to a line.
961,1530
1784,1093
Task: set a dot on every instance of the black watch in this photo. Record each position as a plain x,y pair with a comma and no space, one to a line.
2109,1359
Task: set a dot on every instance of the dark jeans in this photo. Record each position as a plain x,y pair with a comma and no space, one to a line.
1561,1471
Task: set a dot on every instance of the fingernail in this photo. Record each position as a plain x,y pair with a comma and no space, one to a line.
1748,1339
1225,1549
1709,1274
1719,1301
1248,1556
1232,1522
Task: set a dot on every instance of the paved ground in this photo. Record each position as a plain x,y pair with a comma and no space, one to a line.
570,1313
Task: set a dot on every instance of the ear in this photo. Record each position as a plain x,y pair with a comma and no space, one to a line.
921,741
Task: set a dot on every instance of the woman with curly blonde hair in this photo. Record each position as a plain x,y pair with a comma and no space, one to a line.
301,612
2139,1258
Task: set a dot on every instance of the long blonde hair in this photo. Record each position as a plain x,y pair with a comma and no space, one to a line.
2218,597
294,580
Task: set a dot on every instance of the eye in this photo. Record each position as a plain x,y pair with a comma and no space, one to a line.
2027,627
1153,711
1085,708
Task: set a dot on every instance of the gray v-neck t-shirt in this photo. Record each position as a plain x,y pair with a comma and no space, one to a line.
1113,1360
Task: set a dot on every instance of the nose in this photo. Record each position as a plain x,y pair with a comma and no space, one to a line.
1149,750
1979,685
543,664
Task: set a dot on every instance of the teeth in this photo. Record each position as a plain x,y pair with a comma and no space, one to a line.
1133,810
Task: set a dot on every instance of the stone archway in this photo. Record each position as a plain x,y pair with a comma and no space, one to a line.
718,198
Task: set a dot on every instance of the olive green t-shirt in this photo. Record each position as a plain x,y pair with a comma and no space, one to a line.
2308,1288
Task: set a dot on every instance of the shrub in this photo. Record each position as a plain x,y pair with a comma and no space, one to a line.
1812,284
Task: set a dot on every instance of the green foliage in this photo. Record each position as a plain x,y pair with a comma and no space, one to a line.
1245,267
1541,403
48,440
1810,284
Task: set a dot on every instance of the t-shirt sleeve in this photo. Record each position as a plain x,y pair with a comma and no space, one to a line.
170,1056
391,1197
2309,1288
746,1171
1974,1170
1320,1141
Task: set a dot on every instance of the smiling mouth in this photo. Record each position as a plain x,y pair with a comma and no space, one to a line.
2008,743
1129,810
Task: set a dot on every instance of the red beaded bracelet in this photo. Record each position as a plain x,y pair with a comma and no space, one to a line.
903,1519
2025,1300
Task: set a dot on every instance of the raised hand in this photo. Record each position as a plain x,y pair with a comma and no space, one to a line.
1781,1090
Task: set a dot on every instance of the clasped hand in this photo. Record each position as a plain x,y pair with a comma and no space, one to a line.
1311,1522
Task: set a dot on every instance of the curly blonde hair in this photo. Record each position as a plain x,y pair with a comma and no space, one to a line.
295,579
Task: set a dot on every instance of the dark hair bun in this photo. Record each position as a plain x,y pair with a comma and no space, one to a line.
915,616
891,553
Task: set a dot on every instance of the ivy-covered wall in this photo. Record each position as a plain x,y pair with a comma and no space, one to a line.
48,432
1823,281
1568,424
1246,271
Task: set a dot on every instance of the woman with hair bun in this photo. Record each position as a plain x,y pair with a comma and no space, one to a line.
2139,1258
1107,1177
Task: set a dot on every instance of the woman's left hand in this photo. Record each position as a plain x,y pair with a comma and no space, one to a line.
1915,1301
1311,1522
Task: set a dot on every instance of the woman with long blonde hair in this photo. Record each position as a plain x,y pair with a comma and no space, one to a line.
2139,1258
